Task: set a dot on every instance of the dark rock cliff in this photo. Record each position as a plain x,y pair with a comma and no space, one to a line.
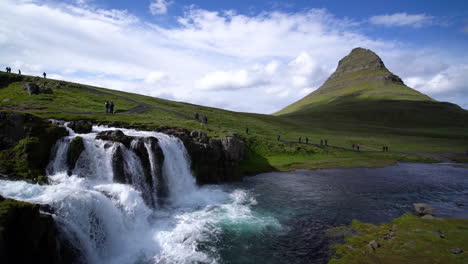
29,236
214,160
26,142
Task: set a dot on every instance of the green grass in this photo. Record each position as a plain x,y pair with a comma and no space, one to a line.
414,240
71,101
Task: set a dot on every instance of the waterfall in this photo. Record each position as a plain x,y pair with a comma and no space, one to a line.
153,213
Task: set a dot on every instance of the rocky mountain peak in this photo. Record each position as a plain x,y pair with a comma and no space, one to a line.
359,59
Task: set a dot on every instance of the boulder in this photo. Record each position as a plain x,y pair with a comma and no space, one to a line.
81,126
74,151
422,209
456,251
115,136
373,245
33,89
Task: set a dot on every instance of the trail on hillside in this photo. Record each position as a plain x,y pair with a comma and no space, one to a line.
140,108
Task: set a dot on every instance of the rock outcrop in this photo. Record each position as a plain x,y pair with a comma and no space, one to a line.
29,236
116,136
34,89
80,126
26,142
149,152
214,160
74,151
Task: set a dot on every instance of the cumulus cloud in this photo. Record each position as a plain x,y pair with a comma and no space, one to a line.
305,71
159,7
403,19
257,63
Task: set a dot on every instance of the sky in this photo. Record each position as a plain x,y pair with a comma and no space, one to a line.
245,55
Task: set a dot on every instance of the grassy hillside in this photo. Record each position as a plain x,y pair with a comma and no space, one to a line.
71,101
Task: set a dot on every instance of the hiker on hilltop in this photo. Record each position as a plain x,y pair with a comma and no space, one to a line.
326,142
300,139
205,119
44,74
247,130
307,140
107,106
196,115
278,137
111,108
357,146
19,72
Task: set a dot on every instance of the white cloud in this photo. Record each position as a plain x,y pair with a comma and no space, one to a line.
155,77
403,19
231,80
159,7
222,59
306,72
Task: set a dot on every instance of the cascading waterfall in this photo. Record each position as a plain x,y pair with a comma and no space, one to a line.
111,222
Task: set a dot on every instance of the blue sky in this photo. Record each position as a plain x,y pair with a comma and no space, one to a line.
254,56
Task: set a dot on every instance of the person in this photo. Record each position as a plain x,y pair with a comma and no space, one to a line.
386,148
111,108
107,106
247,130
205,119
19,72
278,137
307,140
383,149
357,146
326,142
196,115
321,142
353,146
44,74
300,139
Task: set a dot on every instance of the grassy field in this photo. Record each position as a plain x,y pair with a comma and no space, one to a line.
70,101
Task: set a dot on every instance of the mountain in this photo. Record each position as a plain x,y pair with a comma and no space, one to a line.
362,89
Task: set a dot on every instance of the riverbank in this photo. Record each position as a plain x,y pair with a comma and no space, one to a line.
406,239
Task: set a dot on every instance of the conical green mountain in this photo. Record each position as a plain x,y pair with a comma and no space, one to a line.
362,89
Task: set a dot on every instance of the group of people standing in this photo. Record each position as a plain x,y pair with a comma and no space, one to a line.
204,119
8,70
356,146
385,149
109,107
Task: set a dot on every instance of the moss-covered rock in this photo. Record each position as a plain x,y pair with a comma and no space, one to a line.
26,142
74,151
28,236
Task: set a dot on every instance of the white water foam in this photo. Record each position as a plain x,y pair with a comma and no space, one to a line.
111,223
